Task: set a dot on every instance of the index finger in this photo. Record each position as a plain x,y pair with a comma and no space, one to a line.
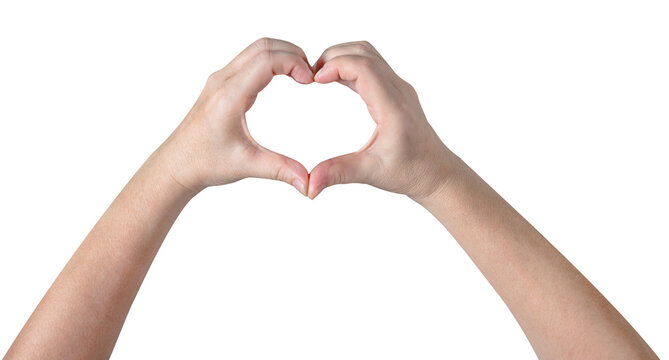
264,44
259,71
362,48
364,75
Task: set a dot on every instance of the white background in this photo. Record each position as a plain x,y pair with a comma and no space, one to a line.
560,106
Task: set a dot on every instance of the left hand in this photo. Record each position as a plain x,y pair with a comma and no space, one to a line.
404,155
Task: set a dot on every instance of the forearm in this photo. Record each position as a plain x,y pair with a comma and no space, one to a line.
83,312
561,313
81,315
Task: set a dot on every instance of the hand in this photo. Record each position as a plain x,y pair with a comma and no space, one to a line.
404,155
212,146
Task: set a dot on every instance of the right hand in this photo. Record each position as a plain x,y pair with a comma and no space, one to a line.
213,146
404,155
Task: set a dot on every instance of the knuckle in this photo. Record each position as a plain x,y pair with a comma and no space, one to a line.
217,80
213,77
366,44
409,89
330,49
264,43
216,83
277,173
370,48
264,56
360,48
218,97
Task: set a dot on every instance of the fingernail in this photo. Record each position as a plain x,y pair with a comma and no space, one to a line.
299,185
317,73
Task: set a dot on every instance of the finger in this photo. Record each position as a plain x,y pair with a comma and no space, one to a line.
364,76
361,48
268,164
355,167
258,72
260,45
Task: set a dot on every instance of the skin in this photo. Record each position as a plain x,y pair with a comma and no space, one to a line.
561,313
80,317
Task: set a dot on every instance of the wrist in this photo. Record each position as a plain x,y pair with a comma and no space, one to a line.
446,171
159,168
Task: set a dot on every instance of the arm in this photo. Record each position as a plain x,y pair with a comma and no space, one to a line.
561,313
81,315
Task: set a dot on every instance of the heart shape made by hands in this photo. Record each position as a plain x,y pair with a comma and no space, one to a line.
330,119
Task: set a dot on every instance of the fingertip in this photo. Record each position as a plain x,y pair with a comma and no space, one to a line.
303,74
300,177
328,73
317,181
321,76
317,75
313,192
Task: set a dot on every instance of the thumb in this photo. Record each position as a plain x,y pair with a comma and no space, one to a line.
350,168
268,164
